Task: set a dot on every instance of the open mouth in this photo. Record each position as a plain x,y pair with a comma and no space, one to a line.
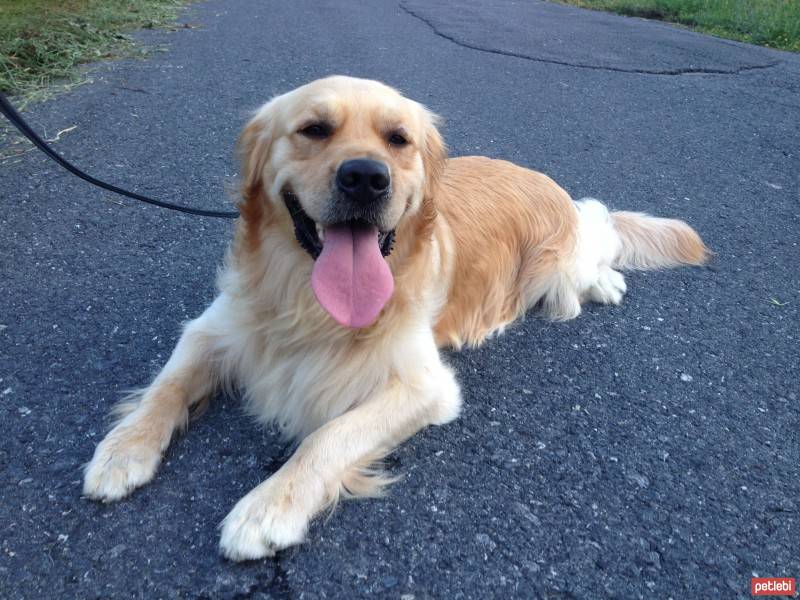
351,279
307,231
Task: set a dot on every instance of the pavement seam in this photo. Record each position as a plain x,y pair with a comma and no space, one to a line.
671,72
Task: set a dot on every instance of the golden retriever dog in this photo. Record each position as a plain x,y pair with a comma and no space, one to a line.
360,252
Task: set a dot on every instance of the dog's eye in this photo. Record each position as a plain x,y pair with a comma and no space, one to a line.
318,131
397,139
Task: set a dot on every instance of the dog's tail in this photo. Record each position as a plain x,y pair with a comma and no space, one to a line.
639,241
652,242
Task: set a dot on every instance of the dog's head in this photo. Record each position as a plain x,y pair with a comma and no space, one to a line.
348,160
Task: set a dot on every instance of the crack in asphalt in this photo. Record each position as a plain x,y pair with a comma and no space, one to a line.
685,71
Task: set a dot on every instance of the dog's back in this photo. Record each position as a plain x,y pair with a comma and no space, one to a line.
509,226
520,241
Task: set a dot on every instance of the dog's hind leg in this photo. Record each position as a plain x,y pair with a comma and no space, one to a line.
625,240
597,248
560,280
131,452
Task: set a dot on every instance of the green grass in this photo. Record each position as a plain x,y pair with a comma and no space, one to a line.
45,41
773,23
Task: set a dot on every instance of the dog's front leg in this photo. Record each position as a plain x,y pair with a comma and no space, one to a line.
276,514
129,455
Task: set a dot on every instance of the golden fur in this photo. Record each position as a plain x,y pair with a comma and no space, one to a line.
479,242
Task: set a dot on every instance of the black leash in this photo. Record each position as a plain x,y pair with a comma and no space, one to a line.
16,119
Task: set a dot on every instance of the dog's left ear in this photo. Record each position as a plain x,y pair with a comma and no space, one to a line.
434,154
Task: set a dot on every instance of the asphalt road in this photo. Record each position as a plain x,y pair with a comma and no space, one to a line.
643,451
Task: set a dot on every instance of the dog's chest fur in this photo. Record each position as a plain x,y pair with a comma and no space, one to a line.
301,387
294,365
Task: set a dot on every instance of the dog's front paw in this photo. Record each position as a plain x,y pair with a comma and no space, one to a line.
261,523
122,462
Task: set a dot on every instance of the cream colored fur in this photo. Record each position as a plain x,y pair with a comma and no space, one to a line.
479,242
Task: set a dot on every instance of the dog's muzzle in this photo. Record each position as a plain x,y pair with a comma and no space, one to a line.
362,189
305,228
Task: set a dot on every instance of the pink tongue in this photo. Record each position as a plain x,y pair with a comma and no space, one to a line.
350,278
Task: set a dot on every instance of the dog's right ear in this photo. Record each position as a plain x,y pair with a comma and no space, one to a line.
253,149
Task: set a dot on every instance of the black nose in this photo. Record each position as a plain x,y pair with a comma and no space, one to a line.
363,180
